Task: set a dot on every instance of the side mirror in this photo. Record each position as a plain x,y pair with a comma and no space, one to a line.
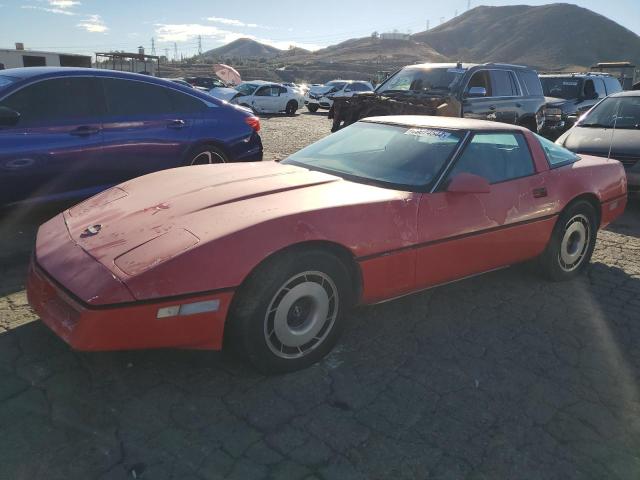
475,92
8,117
468,183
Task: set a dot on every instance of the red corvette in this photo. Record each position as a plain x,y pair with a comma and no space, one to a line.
270,255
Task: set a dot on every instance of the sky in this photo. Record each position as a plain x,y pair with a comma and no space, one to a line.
87,26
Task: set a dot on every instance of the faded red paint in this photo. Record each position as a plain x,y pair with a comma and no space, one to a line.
204,229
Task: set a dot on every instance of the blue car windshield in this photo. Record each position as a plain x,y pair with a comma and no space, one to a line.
401,157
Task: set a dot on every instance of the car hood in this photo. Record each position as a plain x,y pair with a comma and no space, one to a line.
597,141
166,207
223,93
555,102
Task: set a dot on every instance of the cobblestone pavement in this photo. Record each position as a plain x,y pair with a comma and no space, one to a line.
504,376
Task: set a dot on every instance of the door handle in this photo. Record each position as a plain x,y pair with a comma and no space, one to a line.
540,192
84,131
176,124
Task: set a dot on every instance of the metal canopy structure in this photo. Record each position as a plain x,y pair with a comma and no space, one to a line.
125,61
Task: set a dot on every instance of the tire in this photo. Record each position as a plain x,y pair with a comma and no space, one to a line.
207,154
312,108
572,242
291,108
289,313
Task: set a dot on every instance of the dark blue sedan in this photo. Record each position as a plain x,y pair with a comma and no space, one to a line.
67,133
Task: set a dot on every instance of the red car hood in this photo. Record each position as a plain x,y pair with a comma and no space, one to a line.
173,210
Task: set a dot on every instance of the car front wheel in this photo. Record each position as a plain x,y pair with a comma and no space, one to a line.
289,313
572,242
292,107
313,108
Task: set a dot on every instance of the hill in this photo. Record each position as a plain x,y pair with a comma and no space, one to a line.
372,50
243,48
555,36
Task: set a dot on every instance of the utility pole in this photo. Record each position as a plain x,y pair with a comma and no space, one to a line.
166,54
441,20
175,52
456,13
468,4
427,24
199,44
153,46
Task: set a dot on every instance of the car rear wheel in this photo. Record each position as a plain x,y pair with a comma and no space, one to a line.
206,155
292,107
313,108
289,313
572,242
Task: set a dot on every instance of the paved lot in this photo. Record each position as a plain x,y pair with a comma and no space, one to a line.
503,376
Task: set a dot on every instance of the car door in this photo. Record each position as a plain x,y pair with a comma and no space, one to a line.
507,103
142,131
267,99
477,99
466,233
54,148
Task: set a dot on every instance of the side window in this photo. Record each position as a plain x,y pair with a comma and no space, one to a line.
502,84
556,155
130,97
481,79
496,157
183,103
599,86
283,90
63,100
530,82
612,84
264,91
589,89
362,87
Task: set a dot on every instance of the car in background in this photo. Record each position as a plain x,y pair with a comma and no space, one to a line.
72,132
493,91
611,129
263,97
270,256
322,97
569,95
205,83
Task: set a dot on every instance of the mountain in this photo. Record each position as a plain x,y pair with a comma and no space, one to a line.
372,50
555,36
243,48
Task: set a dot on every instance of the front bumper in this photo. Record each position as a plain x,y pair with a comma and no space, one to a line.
126,326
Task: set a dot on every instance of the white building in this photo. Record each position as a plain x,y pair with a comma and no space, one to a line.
19,57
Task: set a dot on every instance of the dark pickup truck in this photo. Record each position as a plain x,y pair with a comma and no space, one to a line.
492,91
569,95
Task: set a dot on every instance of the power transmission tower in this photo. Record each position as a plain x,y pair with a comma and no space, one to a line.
153,46
427,24
175,52
468,4
199,44
166,54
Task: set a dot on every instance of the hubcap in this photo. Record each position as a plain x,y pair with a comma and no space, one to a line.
205,158
301,314
575,242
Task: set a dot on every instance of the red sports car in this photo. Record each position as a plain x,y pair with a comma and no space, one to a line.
270,255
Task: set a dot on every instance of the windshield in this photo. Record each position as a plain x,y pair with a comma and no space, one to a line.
422,80
623,112
246,88
561,87
5,81
389,154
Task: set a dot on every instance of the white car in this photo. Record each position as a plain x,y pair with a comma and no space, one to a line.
264,97
322,97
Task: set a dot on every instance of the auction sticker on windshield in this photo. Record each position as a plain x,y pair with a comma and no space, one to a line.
428,132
